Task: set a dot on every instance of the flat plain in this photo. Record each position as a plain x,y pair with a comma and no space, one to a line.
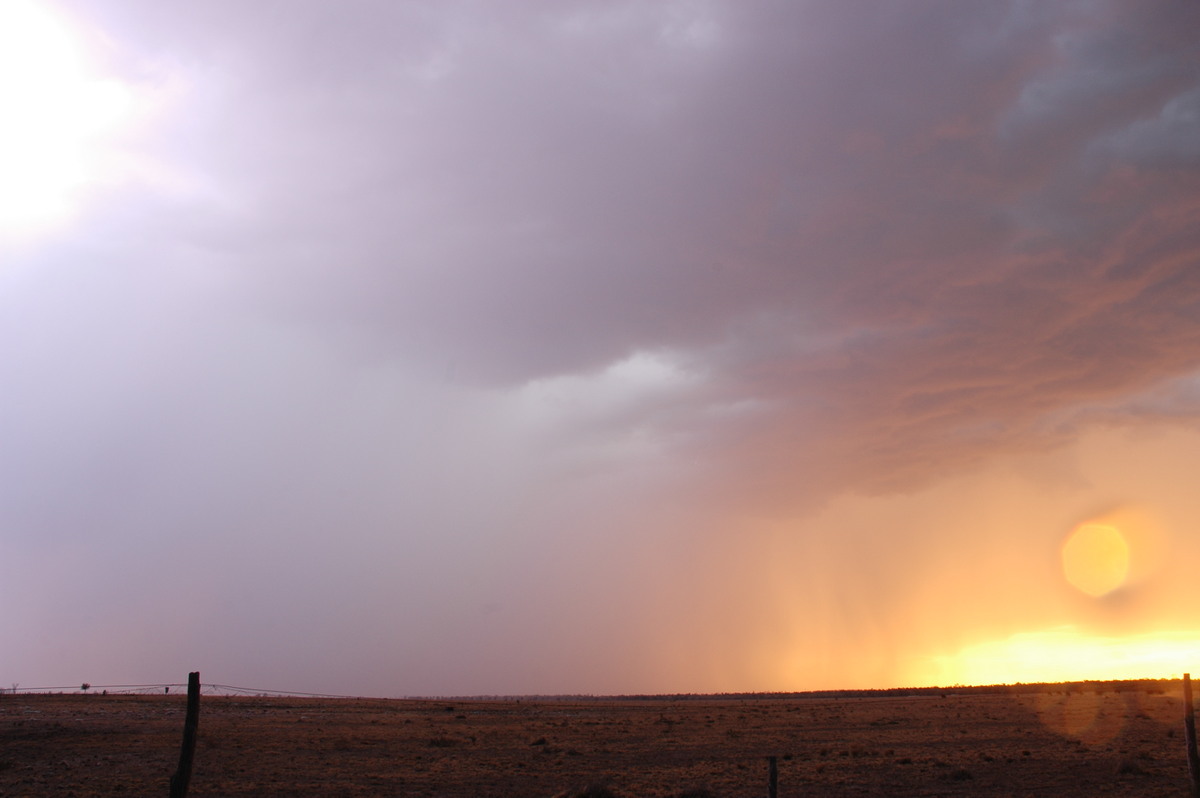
1063,740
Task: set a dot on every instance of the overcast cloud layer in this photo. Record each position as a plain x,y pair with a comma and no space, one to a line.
448,348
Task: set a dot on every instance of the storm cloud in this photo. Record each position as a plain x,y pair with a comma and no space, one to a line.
455,348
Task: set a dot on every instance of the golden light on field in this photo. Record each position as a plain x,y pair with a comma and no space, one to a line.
1067,654
54,111
1095,558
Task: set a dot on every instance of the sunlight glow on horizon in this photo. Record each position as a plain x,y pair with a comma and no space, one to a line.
54,110
1068,654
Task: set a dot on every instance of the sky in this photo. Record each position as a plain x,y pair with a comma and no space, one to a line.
395,348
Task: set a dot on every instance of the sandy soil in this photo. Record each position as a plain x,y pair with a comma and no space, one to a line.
1061,740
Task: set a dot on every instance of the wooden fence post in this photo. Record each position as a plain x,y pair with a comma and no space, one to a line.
1189,736
772,778
179,782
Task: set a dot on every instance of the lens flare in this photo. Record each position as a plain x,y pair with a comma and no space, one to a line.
1095,559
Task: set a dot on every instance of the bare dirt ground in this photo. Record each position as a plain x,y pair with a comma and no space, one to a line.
1059,740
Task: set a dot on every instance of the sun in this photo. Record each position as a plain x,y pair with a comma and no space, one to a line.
56,112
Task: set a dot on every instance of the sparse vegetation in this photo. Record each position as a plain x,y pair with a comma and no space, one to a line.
1016,744
590,791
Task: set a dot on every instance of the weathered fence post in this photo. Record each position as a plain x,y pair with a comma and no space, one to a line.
772,778
179,782
1189,736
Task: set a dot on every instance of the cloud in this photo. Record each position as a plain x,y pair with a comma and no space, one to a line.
478,327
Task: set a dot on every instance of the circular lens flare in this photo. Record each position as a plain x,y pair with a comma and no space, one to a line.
1095,559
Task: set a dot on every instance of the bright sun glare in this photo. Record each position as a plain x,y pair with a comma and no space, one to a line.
54,114
1068,654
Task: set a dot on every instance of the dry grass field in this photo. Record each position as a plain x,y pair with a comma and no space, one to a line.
1058,740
